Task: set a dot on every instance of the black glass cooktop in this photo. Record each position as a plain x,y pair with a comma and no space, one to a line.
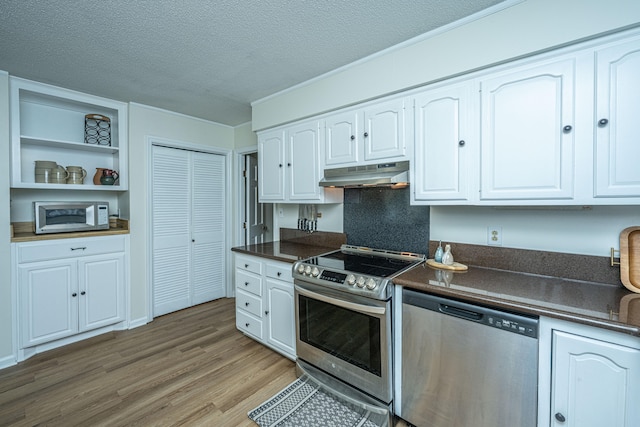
370,265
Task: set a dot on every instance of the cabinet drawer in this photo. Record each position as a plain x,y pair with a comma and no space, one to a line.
68,248
249,264
249,302
248,282
281,271
249,324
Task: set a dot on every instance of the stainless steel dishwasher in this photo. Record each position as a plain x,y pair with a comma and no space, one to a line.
464,365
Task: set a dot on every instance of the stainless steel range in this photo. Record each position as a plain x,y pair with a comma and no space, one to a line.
343,316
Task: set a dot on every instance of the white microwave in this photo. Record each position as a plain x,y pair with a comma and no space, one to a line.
63,217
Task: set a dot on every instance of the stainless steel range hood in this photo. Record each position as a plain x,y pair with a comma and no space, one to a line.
394,174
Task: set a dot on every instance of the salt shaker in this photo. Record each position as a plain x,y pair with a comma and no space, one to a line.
447,258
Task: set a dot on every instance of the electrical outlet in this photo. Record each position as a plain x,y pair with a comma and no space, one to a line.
494,236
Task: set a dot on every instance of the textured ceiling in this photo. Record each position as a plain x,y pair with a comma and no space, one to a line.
207,59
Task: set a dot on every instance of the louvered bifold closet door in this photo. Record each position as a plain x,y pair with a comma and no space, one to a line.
171,223
208,227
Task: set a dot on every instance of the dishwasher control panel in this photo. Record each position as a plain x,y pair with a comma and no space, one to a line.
522,328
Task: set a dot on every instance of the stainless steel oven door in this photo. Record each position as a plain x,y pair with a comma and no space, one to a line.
347,336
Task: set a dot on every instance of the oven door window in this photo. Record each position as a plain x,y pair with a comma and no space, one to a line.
349,335
65,216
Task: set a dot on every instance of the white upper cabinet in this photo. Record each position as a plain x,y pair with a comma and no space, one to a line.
369,134
290,167
271,173
527,149
48,123
342,130
617,128
446,137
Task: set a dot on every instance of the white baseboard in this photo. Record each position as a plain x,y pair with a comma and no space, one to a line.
7,361
138,322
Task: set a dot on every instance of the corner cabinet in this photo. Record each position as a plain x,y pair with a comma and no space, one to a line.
594,376
264,302
290,167
68,287
369,134
48,123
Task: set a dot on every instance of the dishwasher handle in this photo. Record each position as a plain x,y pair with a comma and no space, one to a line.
451,310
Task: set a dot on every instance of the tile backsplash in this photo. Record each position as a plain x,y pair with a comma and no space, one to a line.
383,218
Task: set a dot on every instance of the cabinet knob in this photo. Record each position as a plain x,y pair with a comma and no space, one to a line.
280,165
353,137
366,134
602,122
246,324
83,293
567,129
560,417
74,294
246,283
266,313
246,266
193,240
279,273
461,143
246,304
289,164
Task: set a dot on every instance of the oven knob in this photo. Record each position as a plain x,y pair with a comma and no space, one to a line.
351,280
300,268
370,283
307,270
360,282
315,272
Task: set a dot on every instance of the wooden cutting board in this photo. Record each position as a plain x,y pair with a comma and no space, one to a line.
456,266
630,258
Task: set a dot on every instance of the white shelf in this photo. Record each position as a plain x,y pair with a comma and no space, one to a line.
47,123
70,145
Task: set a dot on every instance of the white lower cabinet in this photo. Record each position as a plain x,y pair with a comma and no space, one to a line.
594,378
70,286
264,302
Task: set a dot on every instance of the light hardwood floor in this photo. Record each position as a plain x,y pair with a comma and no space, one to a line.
189,368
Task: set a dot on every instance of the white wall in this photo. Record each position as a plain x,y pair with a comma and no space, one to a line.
520,30
527,27
286,216
147,121
587,232
6,319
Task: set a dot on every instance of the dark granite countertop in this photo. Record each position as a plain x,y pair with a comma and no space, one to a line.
283,250
608,306
294,245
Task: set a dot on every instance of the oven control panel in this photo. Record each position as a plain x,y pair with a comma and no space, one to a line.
309,271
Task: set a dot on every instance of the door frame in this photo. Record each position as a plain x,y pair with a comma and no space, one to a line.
150,141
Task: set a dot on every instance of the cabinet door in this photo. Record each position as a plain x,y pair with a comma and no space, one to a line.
101,297
444,138
279,315
384,130
48,297
271,166
303,161
594,383
617,129
341,139
527,133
